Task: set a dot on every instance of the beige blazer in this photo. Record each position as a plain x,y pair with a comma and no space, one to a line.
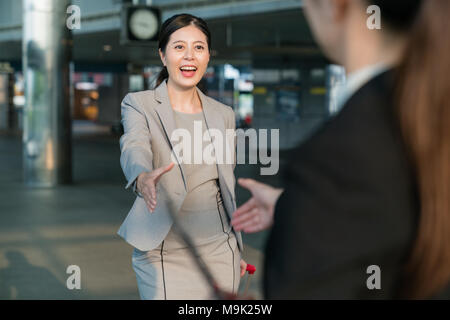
148,122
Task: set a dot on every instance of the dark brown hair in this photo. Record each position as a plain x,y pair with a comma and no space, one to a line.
171,25
423,109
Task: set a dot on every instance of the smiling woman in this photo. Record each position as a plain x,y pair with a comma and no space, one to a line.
184,48
187,55
200,195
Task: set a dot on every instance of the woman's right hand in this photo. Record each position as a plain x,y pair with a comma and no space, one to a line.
146,184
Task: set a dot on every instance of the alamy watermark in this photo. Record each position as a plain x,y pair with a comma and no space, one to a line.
74,20
374,280
215,146
374,20
74,280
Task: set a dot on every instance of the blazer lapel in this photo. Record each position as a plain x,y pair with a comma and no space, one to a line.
164,110
165,114
214,119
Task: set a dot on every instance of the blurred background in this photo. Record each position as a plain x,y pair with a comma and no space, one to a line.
65,67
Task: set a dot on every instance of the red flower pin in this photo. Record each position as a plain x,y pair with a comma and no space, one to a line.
250,269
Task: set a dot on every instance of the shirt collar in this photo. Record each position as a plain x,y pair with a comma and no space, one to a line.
358,79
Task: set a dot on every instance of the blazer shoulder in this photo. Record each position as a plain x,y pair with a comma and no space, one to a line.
226,111
139,98
139,95
221,107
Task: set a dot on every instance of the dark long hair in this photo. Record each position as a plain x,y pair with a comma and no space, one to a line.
171,25
423,109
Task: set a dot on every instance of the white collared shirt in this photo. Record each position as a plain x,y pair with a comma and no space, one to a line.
358,79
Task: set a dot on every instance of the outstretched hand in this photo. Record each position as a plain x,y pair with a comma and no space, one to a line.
146,184
257,213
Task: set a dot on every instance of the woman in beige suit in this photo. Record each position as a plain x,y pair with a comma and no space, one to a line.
199,194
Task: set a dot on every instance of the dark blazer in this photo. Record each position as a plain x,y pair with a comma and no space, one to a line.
350,201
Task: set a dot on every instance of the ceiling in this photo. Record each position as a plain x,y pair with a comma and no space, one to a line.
276,34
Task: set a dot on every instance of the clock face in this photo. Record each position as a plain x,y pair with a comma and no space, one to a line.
143,24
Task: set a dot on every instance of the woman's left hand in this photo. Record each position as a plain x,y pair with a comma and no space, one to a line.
243,267
257,213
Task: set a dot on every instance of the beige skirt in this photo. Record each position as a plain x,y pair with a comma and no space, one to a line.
170,272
